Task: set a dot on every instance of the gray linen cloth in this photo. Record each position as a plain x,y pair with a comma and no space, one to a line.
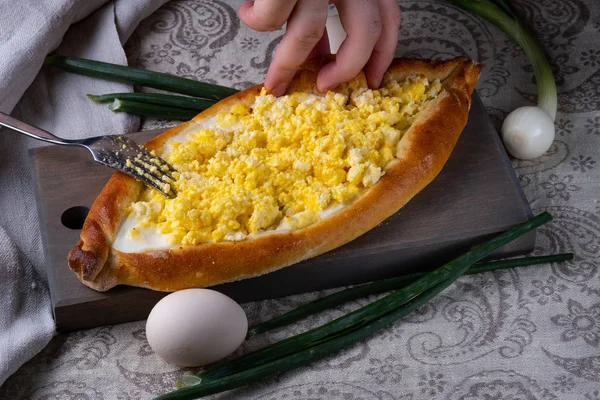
30,29
526,333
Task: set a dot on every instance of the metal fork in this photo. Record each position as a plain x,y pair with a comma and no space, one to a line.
118,152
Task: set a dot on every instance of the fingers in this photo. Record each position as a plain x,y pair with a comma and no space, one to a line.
305,28
363,25
266,15
371,36
383,52
322,48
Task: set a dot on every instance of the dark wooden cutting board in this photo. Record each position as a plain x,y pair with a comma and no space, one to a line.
475,196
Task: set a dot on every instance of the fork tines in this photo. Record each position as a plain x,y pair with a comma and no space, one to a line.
149,168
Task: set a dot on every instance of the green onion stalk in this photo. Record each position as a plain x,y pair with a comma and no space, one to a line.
153,110
385,285
159,99
141,77
527,132
341,332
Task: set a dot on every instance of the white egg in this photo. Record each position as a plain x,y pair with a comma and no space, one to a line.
195,327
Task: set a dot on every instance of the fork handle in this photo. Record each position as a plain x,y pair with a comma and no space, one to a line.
30,130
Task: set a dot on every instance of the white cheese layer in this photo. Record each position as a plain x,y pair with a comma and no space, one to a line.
152,239
148,238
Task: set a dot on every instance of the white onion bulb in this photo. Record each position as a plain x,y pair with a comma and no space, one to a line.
528,132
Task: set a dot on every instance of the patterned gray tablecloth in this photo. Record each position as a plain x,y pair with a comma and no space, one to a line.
519,334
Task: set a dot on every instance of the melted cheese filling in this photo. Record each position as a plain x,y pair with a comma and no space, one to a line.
283,163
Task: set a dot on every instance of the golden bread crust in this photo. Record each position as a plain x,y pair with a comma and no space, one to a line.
423,151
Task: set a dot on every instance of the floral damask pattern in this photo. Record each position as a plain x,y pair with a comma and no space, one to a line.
592,125
564,126
145,349
563,384
68,390
432,383
249,43
483,315
526,334
166,53
326,391
186,71
591,58
580,322
582,163
547,291
500,385
595,395
583,367
386,369
232,72
560,187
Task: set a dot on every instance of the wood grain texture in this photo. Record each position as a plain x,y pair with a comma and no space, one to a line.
475,196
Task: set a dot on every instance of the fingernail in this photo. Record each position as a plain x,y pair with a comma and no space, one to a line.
323,83
322,88
325,88
279,90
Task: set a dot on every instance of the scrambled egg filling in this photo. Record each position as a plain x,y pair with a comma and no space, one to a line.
282,163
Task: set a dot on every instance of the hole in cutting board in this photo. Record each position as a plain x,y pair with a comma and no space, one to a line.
74,217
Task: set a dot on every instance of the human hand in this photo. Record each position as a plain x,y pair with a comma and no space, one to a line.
371,36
